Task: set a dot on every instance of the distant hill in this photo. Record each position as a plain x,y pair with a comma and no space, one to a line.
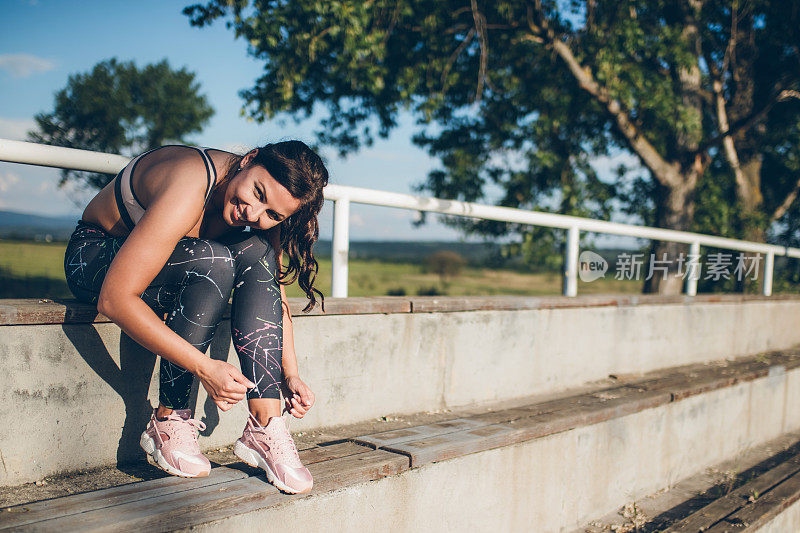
27,226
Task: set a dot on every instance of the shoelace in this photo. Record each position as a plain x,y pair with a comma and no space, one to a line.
284,447
179,436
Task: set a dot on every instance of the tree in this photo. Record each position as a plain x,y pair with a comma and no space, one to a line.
523,94
445,263
119,108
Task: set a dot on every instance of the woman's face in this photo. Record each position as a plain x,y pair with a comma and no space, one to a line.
254,198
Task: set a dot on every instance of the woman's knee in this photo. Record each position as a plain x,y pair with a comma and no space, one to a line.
249,248
206,259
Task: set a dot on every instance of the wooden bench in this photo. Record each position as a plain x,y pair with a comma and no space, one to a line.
170,502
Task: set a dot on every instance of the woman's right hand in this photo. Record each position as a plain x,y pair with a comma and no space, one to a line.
223,383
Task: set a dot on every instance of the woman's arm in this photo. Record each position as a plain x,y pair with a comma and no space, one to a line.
173,212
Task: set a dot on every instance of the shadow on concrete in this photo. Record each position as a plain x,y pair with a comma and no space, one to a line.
131,380
218,350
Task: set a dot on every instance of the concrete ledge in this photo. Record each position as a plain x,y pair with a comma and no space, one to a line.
360,366
751,506
551,483
758,488
607,442
45,311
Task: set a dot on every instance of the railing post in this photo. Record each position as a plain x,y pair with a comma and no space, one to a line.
341,246
571,262
769,264
693,269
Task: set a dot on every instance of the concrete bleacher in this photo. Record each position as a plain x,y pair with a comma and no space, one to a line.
543,414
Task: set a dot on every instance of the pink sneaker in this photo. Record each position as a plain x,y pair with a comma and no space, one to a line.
172,446
272,449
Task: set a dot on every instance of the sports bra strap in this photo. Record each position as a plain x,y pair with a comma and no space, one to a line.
130,208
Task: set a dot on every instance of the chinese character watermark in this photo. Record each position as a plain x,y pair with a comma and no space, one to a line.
631,266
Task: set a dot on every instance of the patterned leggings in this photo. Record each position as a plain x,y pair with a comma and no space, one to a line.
192,290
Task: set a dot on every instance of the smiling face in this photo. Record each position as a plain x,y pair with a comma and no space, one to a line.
254,198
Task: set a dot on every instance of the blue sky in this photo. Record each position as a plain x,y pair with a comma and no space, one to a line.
42,42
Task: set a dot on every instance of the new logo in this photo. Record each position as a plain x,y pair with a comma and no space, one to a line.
591,266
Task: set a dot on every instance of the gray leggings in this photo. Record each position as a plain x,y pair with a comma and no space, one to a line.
192,290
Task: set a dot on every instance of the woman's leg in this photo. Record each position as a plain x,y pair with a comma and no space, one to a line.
89,253
257,321
192,290
194,285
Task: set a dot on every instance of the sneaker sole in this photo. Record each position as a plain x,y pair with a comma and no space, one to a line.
254,459
155,458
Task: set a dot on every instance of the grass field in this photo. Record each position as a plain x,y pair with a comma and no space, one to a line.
35,270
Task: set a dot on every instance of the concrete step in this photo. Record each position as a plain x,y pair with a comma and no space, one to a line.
550,465
364,358
758,490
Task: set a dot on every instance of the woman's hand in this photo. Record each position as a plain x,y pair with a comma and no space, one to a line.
298,396
224,383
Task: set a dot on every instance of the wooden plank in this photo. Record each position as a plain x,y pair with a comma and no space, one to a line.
736,499
231,498
584,410
427,304
333,451
125,516
353,305
504,415
328,476
763,509
69,311
432,304
20,515
395,436
686,382
588,412
45,311
450,445
78,503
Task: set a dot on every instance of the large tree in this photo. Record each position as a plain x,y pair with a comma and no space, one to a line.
523,94
119,108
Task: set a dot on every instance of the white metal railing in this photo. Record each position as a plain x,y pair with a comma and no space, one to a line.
342,196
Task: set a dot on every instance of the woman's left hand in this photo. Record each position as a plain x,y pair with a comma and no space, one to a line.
298,396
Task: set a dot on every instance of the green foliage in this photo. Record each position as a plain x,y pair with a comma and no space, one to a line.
120,108
512,124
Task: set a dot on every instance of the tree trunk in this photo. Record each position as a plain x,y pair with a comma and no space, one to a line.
675,196
752,219
674,210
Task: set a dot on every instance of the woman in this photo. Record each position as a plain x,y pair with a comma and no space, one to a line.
161,248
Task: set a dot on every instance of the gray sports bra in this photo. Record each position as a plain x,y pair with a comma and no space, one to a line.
130,208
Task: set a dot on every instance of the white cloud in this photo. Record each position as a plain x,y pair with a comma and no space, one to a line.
8,180
15,129
24,65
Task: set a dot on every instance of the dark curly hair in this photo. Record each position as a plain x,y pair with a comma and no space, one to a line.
302,172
